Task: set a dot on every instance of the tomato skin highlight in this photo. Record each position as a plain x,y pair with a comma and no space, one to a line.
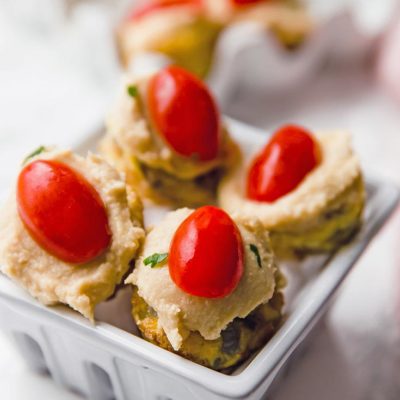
148,8
184,113
62,211
281,166
206,257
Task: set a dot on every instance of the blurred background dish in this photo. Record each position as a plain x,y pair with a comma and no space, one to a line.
187,31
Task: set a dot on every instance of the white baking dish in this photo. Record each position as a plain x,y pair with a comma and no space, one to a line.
105,362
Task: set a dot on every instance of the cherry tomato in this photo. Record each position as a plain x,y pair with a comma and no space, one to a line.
185,114
206,254
288,157
147,8
62,211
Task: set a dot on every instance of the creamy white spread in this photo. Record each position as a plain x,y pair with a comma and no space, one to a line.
53,281
179,312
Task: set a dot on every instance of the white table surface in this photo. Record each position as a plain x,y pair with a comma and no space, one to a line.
46,98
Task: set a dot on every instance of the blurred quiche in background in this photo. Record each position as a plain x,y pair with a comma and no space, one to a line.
180,29
186,31
288,20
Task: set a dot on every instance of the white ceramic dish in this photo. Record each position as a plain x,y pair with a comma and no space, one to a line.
105,362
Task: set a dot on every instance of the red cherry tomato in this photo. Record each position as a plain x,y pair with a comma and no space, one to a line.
185,114
288,157
62,211
206,254
147,8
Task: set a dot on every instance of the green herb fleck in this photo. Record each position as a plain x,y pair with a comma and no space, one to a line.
132,90
254,249
155,259
34,153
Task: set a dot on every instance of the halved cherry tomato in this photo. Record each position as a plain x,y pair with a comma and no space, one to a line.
185,114
206,254
287,158
155,5
62,211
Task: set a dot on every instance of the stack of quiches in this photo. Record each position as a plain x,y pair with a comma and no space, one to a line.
206,281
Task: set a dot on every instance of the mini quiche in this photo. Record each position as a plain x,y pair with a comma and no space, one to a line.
287,20
70,230
306,189
207,287
165,133
179,29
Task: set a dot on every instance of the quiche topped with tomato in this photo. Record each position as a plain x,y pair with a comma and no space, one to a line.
166,134
207,287
179,29
70,230
306,189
